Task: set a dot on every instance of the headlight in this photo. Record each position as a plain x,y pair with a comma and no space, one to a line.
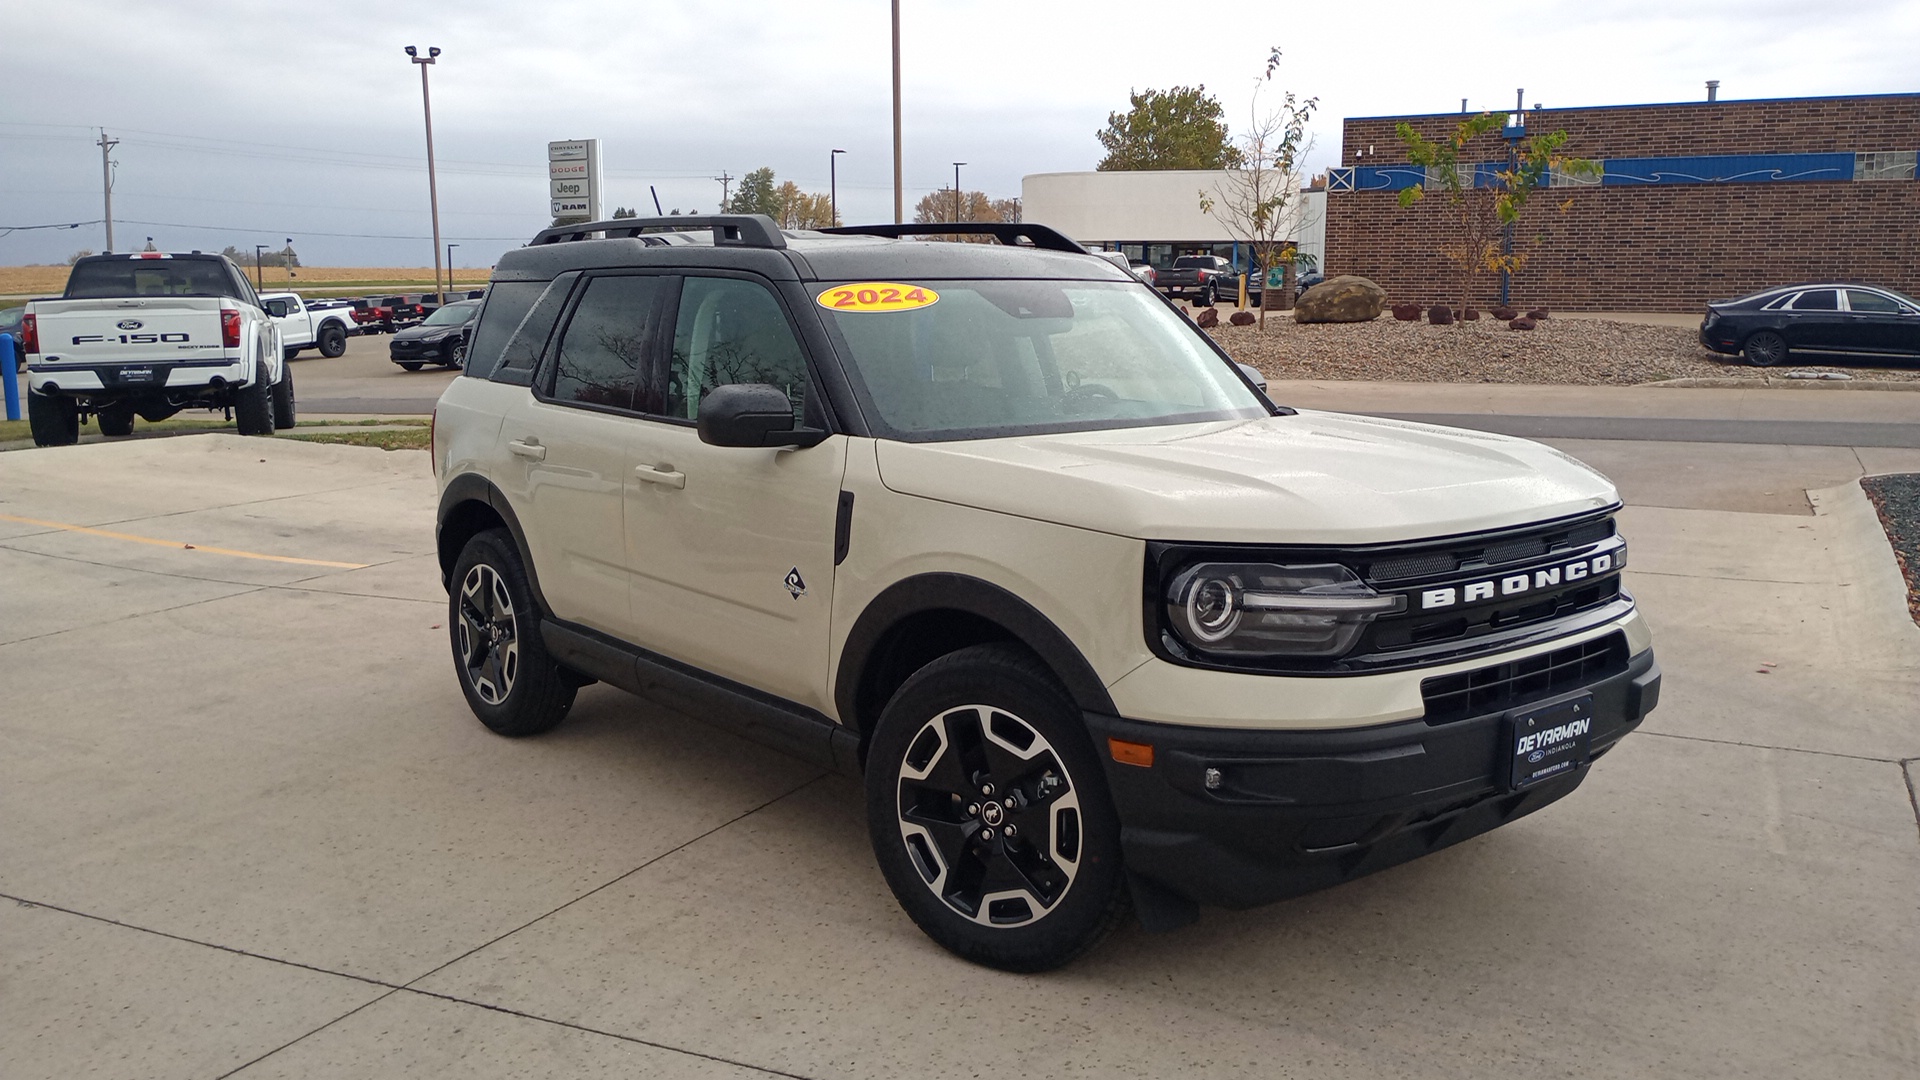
1264,609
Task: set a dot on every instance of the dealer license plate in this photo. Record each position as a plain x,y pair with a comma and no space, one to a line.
1549,741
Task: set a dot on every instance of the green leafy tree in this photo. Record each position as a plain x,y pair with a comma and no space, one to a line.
802,209
757,194
1179,128
1256,201
1483,203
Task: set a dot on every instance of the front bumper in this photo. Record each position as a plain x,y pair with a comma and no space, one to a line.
1298,811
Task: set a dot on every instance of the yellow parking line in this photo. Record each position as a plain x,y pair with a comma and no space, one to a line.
180,546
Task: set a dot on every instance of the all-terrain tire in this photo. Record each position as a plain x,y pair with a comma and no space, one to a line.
253,406
54,420
333,341
512,684
115,419
989,813
283,400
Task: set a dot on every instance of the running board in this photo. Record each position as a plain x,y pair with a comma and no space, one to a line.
771,721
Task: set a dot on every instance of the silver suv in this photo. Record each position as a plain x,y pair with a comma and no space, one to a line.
995,528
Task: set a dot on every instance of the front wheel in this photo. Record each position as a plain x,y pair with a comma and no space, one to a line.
115,419
1765,349
283,400
989,813
457,355
411,365
510,681
333,341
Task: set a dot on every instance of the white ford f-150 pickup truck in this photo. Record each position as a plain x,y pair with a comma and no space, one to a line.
150,334
304,326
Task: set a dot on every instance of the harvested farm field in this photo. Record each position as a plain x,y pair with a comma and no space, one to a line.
1589,352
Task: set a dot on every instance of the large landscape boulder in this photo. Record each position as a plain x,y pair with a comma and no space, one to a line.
1206,318
1241,318
1347,298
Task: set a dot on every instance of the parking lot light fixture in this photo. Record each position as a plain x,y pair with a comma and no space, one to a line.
956,190
833,186
433,190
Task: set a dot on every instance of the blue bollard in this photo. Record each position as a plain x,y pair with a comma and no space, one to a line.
8,362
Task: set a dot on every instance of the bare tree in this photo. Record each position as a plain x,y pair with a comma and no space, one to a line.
1255,202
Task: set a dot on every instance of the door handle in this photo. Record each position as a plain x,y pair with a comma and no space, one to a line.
661,475
530,449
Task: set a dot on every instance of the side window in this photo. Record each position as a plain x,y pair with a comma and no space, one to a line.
602,353
1861,300
500,316
522,350
1817,300
731,331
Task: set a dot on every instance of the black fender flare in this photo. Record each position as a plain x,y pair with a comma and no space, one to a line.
471,488
960,592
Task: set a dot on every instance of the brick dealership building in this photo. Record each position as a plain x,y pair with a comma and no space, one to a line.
1696,202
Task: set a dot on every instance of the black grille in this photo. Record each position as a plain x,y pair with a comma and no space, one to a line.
1504,686
1447,558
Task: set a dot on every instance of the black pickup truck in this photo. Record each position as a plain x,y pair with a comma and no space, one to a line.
1204,279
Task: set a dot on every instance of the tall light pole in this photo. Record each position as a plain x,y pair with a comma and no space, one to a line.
257,282
956,190
833,186
106,179
899,214
450,248
433,189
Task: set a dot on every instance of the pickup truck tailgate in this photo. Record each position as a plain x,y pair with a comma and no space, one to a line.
129,329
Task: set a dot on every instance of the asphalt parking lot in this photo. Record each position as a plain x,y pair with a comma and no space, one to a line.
252,829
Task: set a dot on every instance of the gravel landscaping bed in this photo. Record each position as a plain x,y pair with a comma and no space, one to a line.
1898,500
1589,352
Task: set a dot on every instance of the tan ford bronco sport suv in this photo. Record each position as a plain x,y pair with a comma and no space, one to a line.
995,528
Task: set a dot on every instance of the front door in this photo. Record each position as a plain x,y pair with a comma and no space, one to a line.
732,548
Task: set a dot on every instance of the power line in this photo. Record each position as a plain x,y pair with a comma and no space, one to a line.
309,232
6,229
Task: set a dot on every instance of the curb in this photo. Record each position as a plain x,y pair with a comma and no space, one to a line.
1770,382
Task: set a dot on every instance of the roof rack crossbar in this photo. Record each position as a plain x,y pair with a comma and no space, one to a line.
729,230
1007,232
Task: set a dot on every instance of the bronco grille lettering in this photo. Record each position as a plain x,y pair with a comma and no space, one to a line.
1516,584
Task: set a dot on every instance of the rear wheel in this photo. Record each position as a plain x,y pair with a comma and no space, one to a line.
1208,296
1765,349
253,406
333,340
115,419
283,400
54,420
511,683
989,814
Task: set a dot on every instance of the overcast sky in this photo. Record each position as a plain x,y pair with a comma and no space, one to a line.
244,123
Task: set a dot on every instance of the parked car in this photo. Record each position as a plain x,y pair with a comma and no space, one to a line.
995,529
150,334
440,338
303,326
1204,280
389,314
1827,317
1145,272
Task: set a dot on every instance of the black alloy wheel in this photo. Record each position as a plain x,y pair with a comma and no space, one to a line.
989,814
456,354
333,341
510,681
1765,349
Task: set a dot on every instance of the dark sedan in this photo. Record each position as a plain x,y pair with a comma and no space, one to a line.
1856,320
440,339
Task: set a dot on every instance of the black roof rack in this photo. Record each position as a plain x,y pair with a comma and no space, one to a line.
729,230
1007,232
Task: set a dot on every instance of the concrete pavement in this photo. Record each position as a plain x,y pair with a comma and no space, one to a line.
252,830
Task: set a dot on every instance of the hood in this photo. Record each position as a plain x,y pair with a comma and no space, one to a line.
1310,478
427,333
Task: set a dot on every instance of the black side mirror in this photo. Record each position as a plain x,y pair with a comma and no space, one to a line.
752,414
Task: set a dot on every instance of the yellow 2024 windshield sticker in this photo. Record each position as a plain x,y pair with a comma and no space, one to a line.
877,296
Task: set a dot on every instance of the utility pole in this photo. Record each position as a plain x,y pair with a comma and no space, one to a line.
833,186
899,192
106,179
433,187
956,190
725,180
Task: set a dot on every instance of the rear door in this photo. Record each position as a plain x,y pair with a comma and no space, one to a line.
1816,322
567,449
731,547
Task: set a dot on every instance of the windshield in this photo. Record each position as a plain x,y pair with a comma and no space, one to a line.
981,359
451,315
